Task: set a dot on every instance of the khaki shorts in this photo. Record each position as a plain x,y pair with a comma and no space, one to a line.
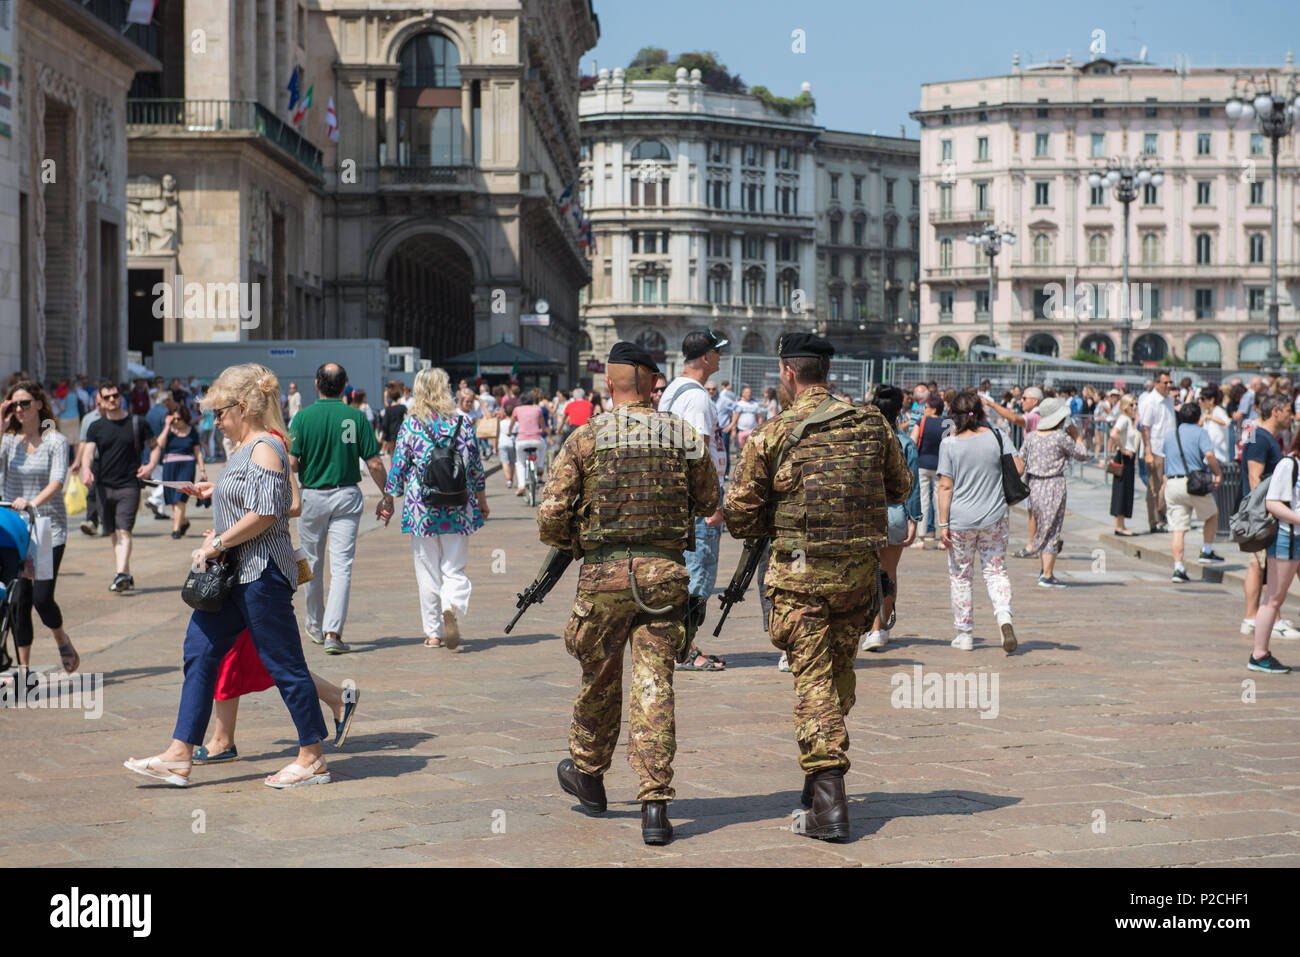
1182,506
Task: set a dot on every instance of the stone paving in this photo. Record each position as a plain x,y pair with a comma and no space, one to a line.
1121,734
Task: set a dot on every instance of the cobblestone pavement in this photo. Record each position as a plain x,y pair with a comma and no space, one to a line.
1121,736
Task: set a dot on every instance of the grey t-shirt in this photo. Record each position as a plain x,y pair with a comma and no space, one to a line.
974,463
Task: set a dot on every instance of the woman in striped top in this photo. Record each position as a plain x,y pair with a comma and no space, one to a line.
33,465
251,503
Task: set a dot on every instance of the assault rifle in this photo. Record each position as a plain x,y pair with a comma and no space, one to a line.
755,549
552,570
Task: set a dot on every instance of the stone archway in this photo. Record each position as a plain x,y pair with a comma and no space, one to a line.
429,288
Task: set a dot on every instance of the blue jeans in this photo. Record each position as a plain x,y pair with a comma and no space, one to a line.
265,608
703,562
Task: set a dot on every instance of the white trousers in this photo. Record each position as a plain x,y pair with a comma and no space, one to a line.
441,579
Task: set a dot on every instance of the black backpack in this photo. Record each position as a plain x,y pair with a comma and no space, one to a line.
442,478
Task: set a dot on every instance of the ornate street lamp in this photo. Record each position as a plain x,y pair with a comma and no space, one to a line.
1125,177
991,239
1274,113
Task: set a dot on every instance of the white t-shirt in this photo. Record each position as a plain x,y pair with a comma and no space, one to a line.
1284,486
1217,427
697,410
748,415
1157,414
503,432
489,401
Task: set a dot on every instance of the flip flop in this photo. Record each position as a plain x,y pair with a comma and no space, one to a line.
201,755
341,728
296,776
1126,534
68,652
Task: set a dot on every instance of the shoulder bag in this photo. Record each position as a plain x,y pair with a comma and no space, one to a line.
1013,486
206,589
1199,482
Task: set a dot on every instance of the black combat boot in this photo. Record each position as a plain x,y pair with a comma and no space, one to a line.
828,820
655,826
805,798
587,788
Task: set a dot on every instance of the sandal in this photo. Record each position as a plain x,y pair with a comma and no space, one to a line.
295,776
433,643
1024,553
1125,533
66,652
711,662
159,770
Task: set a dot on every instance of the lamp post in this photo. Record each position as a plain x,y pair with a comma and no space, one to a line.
1124,177
1275,116
990,239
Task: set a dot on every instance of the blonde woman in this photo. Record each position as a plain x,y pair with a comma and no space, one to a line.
1125,438
251,503
439,534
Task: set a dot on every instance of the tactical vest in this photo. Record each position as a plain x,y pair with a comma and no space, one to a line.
637,489
837,505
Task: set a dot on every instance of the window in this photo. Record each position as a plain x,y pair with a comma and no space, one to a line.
718,244
1256,194
890,232
1042,144
649,289
1256,144
1204,303
982,197
1151,249
858,263
945,253
1152,293
753,286
648,150
982,148
753,247
835,298
1150,144
981,302
1042,193
1042,303
1203,112
945,200
859,228
947,120
429,134
720,284
1203,249
945,304
1042,113
835,232
1098,112
916,193
835,185
1098,144
859,306
1096,195
786,283
1202,144
1255,297
835,265
916,237
1042,249
783,158
1097,249
754,197
1203,192
945,150
719,194
753,154
1150,195
788,250
889,192
857,188
981,257
1256,247
719,152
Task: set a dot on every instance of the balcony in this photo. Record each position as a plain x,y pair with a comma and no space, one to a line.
219,117
967,215
400,176
957,274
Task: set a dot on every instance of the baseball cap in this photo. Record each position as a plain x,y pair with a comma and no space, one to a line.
700,342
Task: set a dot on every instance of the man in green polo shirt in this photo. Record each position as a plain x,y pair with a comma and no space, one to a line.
330,440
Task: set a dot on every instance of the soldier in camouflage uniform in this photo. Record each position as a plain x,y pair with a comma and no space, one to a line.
621,494
824,508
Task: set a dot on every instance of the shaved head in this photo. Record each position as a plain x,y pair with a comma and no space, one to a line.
628,383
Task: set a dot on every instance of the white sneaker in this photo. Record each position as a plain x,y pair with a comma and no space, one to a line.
875,641
1285,630
783,664
1009,642
965,641
1248,626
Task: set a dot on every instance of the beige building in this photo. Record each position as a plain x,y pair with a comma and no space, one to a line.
1016,151
65,68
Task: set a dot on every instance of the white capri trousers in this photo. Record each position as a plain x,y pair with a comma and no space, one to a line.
441,579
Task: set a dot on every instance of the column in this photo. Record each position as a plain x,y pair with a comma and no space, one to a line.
737,277
769,279
265,38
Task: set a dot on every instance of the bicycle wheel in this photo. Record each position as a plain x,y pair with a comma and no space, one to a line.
532,485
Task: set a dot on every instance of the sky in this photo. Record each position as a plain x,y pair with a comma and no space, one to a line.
866,60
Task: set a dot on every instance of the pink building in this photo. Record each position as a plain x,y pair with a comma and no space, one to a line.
1016,151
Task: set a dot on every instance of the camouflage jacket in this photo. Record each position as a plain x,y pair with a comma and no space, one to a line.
755,492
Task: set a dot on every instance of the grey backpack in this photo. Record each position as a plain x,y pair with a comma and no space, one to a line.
1253,528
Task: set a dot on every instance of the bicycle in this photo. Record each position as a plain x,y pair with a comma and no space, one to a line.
530,478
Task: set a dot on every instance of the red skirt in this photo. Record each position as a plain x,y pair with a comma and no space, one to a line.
242,671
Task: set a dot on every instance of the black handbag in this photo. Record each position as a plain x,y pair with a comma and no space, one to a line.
1200,482
1013,486
208,589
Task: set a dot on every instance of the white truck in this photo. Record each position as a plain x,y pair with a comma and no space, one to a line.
292,360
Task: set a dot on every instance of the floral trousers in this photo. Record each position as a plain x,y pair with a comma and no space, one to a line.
990,544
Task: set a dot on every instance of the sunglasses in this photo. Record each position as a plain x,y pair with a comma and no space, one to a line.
218,413
23,403
111,398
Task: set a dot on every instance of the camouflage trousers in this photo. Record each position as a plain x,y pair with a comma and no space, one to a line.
819,634
602,625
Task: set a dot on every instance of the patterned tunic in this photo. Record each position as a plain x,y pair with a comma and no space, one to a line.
413,447
25,474
246,487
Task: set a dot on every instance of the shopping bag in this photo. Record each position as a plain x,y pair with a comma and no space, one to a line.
74,494
43,545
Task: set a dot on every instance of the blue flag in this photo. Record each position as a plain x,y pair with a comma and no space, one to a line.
294,90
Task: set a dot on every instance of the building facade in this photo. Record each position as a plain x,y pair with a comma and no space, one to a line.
703,206
1016,151
458,133
65,68
868,239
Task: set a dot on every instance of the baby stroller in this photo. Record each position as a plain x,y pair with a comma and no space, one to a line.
15,532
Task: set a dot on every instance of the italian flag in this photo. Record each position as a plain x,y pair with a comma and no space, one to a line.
304,106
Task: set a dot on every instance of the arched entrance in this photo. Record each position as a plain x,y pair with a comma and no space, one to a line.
1150,348
1042,343
429,281
1100,344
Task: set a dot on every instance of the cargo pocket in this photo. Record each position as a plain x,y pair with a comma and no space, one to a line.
582,638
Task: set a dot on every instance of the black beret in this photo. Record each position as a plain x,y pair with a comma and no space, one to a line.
795,345
630,354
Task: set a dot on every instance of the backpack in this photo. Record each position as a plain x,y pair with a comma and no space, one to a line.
1253,528
443,482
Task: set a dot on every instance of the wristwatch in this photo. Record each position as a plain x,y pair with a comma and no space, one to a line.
216,543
